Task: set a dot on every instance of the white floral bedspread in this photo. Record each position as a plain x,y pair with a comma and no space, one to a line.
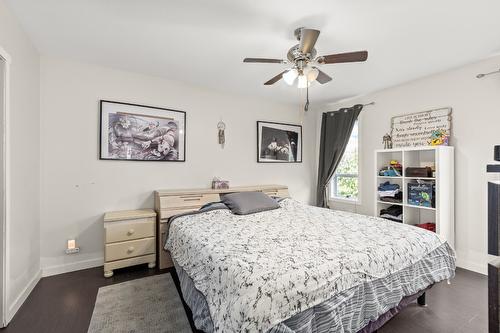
258,270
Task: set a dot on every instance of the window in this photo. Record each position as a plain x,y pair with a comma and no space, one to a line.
345,182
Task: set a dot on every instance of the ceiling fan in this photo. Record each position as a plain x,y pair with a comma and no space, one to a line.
304,63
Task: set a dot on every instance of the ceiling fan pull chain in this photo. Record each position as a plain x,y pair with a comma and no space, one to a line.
306,106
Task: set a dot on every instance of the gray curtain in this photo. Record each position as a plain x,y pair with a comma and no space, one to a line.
336,128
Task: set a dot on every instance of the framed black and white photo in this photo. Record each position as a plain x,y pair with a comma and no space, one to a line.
279,143
135,132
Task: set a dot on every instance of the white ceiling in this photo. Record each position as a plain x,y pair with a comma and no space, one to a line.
204,42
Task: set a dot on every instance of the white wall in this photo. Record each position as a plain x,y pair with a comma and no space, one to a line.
475,129
77,188
23,207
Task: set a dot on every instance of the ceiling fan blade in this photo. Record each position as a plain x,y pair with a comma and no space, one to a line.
265,60
275,79
344,57
308,38
323,77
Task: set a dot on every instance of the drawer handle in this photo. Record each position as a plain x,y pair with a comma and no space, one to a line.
195,199
131,249
130,232
191,196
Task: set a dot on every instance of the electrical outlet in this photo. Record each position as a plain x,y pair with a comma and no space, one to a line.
73,250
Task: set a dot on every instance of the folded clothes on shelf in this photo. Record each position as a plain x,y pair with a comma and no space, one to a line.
387,186
398,218
398,198
393,213
389,173
390,192
393,210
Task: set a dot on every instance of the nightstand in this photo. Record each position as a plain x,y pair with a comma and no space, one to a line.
129,239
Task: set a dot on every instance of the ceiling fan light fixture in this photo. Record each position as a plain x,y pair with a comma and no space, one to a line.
312,74
290,76
302,83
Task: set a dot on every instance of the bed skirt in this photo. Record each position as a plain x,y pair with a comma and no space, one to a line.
364,308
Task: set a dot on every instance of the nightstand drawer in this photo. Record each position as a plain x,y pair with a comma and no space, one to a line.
129,230
135,248
188,200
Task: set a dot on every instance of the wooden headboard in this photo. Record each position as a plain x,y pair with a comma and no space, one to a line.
172,202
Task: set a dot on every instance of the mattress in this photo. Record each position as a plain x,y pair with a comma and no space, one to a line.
300,268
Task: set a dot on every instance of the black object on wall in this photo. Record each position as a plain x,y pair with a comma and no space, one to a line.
493,217
493,296
493,246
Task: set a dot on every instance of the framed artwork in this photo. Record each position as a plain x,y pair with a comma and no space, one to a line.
279,143
133,132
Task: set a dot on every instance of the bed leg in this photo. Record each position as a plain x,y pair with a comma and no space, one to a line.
421,300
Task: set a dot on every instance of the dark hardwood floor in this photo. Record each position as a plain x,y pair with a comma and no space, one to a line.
461,307
64,303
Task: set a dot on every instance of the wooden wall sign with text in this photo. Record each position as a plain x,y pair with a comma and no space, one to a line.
415,129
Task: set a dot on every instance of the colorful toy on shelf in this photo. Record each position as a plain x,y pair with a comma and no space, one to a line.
396,164
395,169
439,138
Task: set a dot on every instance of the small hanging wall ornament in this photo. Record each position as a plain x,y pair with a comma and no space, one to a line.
221,135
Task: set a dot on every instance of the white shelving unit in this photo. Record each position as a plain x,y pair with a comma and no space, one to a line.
442,157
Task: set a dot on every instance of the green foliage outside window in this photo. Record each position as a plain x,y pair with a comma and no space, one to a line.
347,186
345,180
349,163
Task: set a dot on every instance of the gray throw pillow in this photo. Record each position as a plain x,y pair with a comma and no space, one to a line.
243,203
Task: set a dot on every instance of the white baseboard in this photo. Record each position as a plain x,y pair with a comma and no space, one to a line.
71,267
13,308
472,266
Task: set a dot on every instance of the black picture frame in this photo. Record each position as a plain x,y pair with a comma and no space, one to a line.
276,132
180,134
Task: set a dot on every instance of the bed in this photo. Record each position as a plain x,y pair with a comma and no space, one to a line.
300,268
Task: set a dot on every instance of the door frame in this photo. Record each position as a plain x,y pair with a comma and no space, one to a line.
4,188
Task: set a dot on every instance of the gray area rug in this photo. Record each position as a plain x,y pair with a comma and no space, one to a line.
148,305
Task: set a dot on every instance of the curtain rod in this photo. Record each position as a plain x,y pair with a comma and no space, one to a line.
367,104
481,75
